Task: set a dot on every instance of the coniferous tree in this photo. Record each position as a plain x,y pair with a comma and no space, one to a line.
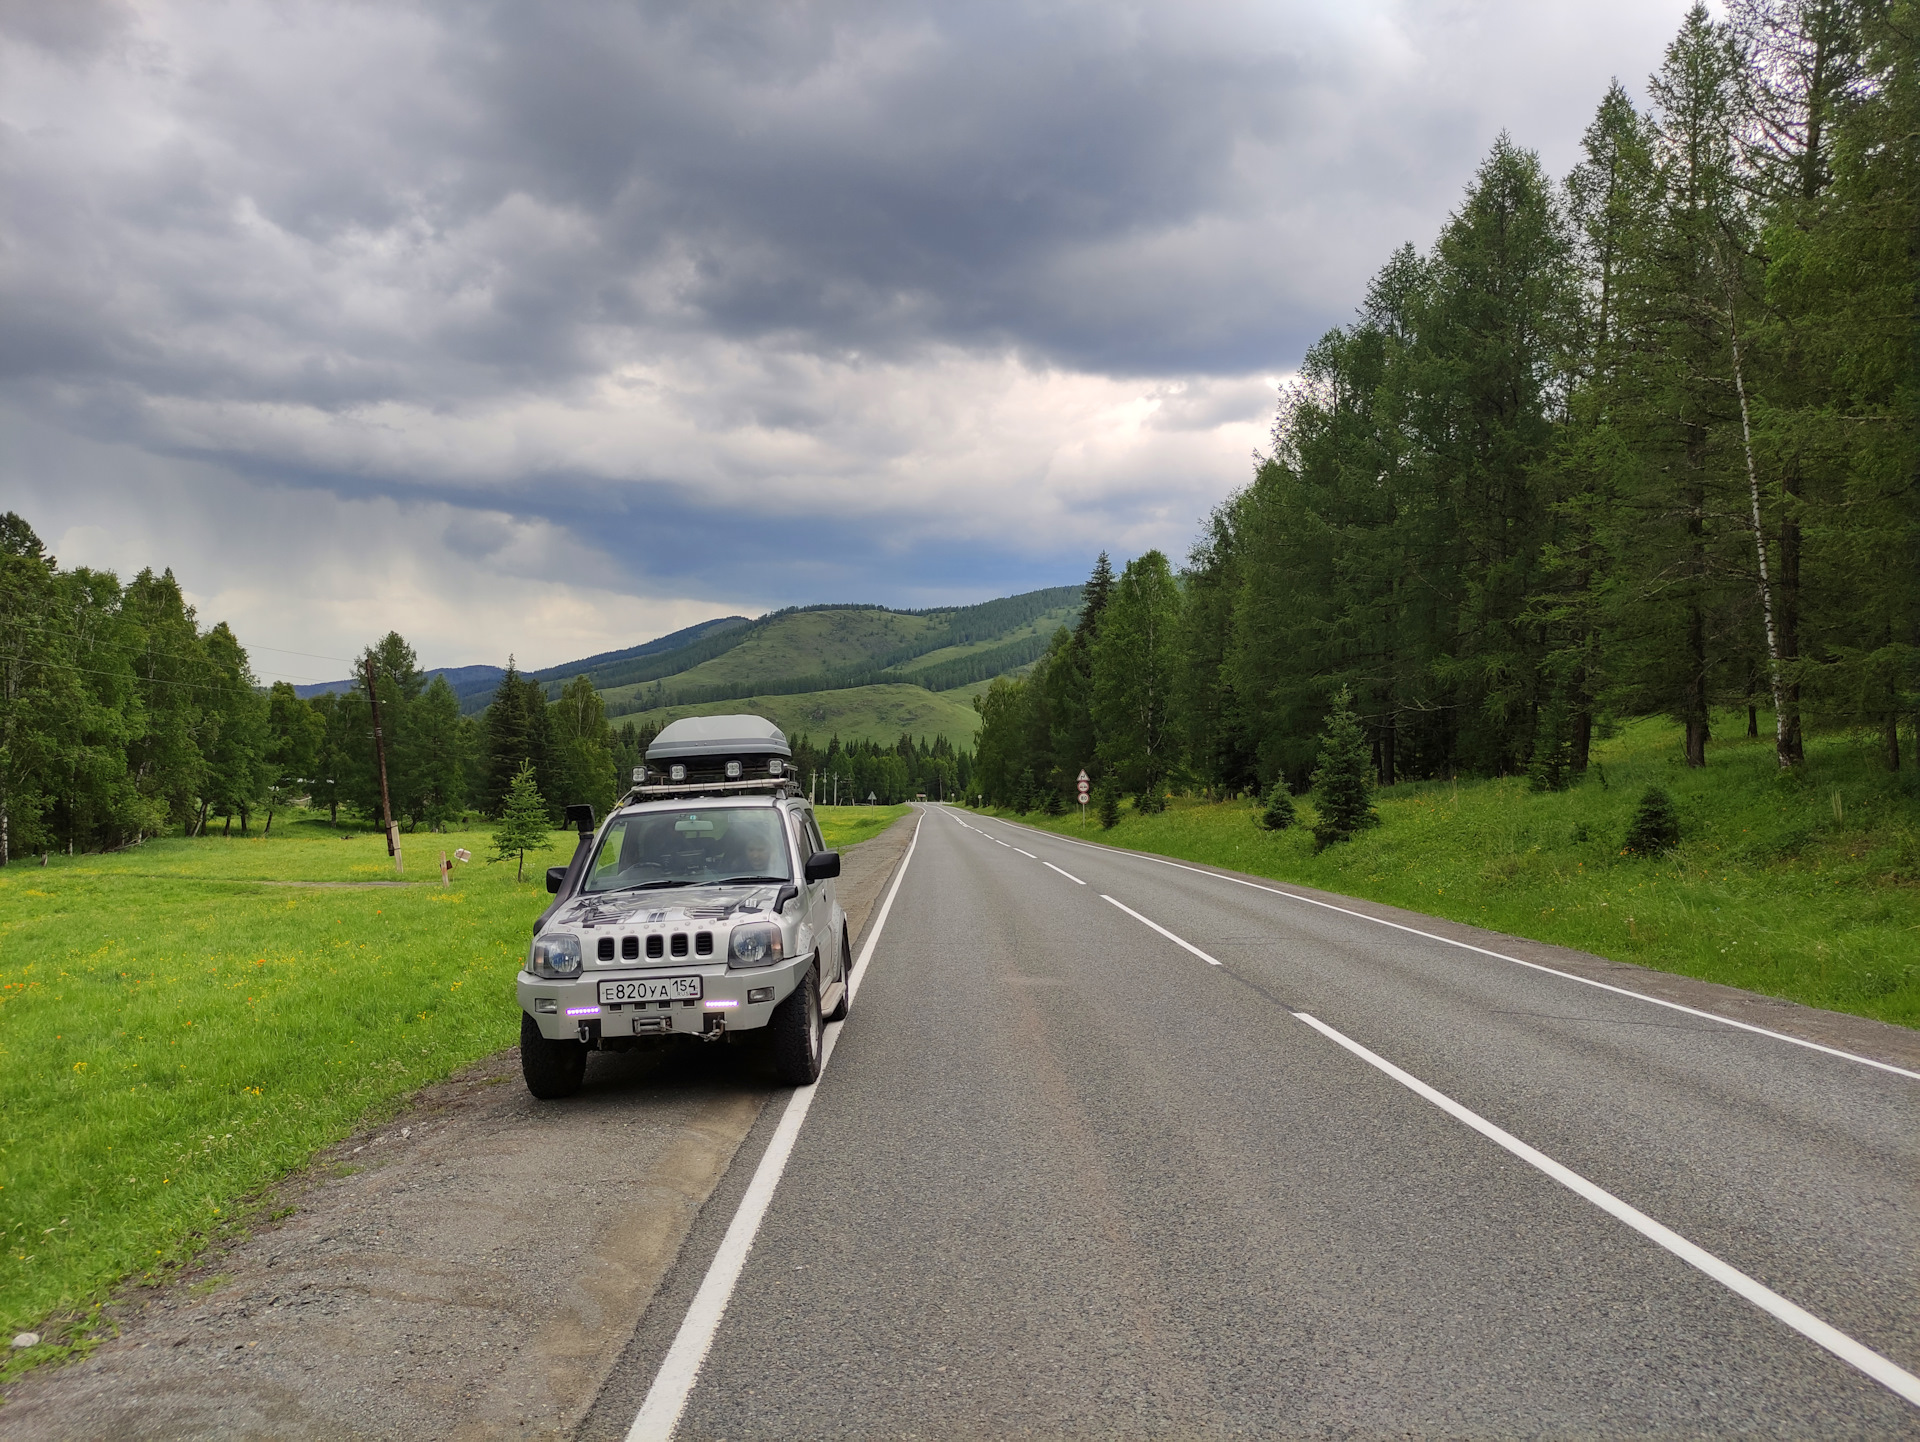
1135,669
1342,782
524,824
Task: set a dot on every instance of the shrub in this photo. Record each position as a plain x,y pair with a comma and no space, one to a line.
1153,800
1278,813
1107,797
1343,781
1655,826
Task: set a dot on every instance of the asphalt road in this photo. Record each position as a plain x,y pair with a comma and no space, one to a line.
1064,1176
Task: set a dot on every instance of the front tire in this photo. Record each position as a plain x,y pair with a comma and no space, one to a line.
553,1069
798,1034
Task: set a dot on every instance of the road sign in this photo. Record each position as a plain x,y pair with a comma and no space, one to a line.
1084,786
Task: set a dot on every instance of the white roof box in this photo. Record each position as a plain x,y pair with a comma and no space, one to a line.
698,736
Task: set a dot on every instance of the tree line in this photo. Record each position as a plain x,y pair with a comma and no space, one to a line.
1645,441
122,718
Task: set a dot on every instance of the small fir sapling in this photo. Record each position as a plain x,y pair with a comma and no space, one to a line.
1153,800
524,824
1655,826
1551,766
1107,800
1278,813
1343,780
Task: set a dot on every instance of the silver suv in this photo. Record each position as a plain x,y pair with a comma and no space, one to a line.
702,907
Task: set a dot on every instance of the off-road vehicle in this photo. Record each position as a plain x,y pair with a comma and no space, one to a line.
702,907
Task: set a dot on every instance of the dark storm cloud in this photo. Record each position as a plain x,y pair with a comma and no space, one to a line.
1013,274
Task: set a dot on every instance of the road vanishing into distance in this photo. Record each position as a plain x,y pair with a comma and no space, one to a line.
1115,1147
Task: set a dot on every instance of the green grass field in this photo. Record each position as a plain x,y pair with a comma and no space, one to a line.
175,1035
860,713
1806,888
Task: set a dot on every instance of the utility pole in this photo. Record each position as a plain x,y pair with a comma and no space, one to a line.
380,754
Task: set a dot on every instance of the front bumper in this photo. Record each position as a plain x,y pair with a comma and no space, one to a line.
567,1010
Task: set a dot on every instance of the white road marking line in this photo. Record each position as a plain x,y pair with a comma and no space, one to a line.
1189,946
1028,854
667,1398
998,842
1068,874
1502,956
1888,1374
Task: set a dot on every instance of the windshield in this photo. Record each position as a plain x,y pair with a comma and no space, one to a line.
694,847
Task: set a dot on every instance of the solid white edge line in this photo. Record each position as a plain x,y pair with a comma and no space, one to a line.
1497,955
673,1384
1888,1374
1068,874
1187,945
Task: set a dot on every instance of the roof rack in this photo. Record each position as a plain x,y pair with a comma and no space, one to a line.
775,785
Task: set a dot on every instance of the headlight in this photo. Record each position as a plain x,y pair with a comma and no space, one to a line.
754,946
555,955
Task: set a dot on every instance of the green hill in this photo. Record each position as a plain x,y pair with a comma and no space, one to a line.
866,672
863,713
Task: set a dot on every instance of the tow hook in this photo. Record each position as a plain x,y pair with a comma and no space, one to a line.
714,1027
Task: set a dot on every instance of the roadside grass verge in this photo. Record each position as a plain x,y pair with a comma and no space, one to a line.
1806,888
844,826
175,1036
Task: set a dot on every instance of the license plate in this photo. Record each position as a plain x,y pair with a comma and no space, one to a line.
651,988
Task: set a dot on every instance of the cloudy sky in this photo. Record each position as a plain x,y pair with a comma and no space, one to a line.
550,327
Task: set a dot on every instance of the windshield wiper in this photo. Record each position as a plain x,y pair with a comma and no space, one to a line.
642,886
744,880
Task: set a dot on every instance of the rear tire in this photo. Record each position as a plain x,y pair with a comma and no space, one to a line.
553,1069
797,1034
839,1013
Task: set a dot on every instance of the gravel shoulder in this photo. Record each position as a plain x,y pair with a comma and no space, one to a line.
471,1269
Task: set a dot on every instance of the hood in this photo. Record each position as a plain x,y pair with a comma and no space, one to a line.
669,904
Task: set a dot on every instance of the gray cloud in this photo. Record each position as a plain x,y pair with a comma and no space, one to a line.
1018,276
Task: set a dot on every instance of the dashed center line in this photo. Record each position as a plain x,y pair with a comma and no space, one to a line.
1185,945
1068,874
1028,854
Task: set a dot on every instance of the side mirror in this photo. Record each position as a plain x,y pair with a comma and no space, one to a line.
823,865
555,876
580,818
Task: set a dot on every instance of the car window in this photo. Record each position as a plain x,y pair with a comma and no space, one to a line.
690,847
813,834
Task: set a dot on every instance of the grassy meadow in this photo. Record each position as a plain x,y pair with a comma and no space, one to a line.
1804,887
176,1035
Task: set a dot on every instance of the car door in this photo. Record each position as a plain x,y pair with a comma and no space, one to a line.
820,900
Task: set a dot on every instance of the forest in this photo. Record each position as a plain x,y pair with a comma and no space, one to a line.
1644,441
121,719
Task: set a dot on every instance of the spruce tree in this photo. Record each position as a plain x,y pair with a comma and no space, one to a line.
1107,801
523,822
1278,813
1655,826
1343,781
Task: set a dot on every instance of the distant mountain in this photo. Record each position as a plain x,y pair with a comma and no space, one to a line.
458,677
863,672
